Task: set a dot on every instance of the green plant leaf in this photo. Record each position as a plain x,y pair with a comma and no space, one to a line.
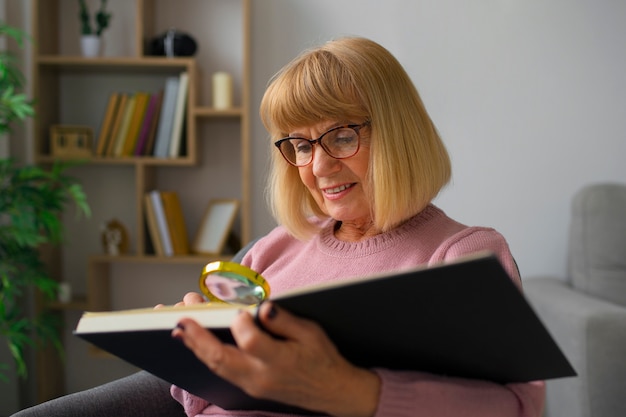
32,200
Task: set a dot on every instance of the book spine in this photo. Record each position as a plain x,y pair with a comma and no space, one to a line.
142,138
175,222
139,112
121,136
179,115
164,130
157,204
153,226
121,110
149,148
107,123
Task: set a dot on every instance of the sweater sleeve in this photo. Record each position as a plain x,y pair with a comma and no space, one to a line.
475,239
192,404
402,393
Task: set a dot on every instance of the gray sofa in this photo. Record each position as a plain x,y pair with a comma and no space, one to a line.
586,313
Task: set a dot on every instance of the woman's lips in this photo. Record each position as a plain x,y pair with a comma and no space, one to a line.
338,191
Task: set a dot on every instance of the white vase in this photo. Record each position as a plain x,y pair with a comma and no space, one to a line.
90,45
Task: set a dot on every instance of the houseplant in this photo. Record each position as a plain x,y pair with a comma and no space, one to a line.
31,202
90,40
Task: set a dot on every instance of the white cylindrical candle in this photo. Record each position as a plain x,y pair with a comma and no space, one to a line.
222,90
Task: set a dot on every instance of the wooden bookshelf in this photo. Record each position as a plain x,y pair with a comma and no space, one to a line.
71,89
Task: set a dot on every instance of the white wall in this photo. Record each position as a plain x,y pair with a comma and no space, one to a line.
529,95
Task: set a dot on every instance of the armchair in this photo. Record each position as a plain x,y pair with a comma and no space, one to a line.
586,313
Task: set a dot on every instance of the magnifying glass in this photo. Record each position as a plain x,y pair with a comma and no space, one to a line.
230,282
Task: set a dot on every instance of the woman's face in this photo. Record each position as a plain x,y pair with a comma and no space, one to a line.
338,185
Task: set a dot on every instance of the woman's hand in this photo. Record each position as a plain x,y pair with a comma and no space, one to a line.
303,368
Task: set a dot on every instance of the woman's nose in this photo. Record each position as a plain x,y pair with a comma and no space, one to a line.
324,164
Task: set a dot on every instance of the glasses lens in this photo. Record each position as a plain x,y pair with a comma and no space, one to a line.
341,143
297,151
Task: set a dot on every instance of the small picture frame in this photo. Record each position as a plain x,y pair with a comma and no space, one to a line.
215,226
69,141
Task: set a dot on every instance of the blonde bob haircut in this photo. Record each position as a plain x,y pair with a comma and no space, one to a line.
355,79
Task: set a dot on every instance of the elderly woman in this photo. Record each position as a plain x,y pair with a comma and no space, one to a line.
356,164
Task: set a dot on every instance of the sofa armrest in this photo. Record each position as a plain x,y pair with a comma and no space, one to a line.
592,334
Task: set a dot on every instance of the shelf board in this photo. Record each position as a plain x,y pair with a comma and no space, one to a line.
77,303
113,63
100,160
152,259
213,112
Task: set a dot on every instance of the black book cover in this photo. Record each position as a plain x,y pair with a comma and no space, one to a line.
463,319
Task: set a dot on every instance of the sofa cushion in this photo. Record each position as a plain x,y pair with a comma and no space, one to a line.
597,255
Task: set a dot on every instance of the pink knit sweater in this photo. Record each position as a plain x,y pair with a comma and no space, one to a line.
427,238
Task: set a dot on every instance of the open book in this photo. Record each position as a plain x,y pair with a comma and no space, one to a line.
465,319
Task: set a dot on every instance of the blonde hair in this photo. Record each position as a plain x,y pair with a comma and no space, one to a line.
355,78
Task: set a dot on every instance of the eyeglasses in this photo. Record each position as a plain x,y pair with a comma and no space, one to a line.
340,142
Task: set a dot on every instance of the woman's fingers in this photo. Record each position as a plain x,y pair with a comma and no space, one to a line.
193,298
225,360
300,367
189,299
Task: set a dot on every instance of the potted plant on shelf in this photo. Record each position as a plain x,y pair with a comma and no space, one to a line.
91,41
31,202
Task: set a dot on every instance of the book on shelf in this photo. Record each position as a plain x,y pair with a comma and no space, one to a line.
144,130
138,114
106,127
175,222
464,318
148,149
159,213
166,117
179,116
117,123
153,226
123,131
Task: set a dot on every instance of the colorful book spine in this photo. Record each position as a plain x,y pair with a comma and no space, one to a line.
142,137
139,112
153,226
166,118
179,115
159,212
149,147
121,111
121,135
175,222
107,123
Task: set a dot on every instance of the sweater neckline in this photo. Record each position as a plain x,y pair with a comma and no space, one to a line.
330,245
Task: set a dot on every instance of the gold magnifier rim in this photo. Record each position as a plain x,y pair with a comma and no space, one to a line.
233,267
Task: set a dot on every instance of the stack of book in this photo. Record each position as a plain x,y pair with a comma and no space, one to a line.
145,124
166,223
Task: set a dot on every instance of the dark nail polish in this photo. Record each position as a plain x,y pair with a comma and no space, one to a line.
272,313
180,326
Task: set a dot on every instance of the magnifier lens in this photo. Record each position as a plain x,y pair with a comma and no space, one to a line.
231,282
